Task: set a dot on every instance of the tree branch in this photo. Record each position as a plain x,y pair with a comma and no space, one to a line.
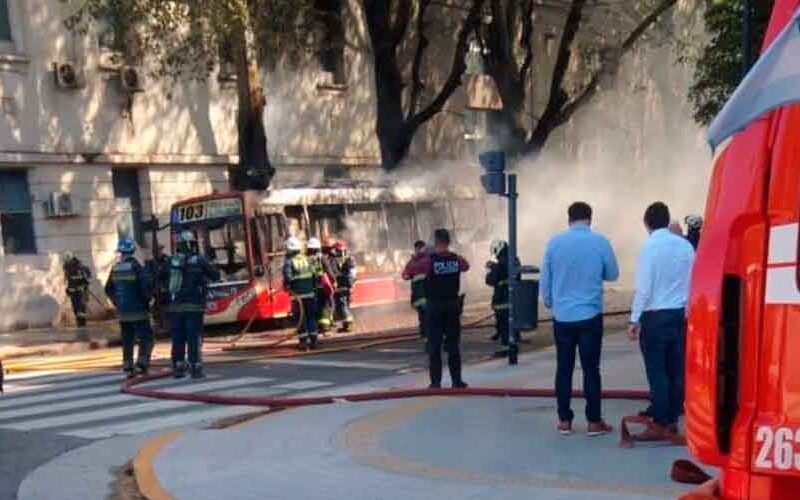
527,41
416,68
401,22
456,71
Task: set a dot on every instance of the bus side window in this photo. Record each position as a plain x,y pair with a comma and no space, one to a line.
258,256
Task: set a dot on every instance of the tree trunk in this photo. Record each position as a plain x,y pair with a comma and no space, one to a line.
390,126
254,170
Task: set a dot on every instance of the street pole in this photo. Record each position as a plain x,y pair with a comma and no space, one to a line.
513,347
747,23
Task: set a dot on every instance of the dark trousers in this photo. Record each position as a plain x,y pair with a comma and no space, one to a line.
187,330
501,325
307,319
421,319
662,343
587,337
443,325
131,330
342,310
79,300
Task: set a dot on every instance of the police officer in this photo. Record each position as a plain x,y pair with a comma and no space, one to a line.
129,290
443,270
694,226
345,273
77,277
497,278
414,273
300,277
189,276
323,284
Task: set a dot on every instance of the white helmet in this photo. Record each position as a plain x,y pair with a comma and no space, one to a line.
497,246
314,244
293,245
186,236
67,256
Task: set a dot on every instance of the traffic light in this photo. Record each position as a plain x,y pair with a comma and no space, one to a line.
494,163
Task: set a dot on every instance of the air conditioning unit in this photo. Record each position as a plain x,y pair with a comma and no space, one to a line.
59,205
68,76
131,79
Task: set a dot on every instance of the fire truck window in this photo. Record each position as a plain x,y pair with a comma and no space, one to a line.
401,226
225,246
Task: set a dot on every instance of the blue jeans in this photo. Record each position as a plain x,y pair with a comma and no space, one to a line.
587,337
662,342
186,329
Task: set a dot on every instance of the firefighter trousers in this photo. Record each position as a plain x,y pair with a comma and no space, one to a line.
186,329
501,325
79,300
421,319
307,327
443,325
131,330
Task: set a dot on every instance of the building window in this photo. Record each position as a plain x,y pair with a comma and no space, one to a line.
331,55
5,22
15,213
126,192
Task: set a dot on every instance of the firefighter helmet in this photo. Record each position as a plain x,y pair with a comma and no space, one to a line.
497,247
340,245
126,246
693,221
186,237
314,244
293,245
67,256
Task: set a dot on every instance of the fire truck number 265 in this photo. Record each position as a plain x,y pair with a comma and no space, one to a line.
778,448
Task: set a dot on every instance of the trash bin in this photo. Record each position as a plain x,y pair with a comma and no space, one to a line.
526,312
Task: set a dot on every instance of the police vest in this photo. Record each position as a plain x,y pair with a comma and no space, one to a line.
444,279
302,277
128,289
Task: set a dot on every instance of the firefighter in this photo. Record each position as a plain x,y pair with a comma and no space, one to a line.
497,278
345,272
128,287
694,226
444,306
77,277
189,275
158,271
323,284
328,285
413,273
300,278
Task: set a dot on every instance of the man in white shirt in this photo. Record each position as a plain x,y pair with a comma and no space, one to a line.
658,318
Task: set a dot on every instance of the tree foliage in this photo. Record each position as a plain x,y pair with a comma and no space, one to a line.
720,66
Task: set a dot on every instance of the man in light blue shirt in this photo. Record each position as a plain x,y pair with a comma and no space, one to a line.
576,263
658,318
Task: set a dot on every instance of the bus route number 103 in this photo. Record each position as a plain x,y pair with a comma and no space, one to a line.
191,212
778,448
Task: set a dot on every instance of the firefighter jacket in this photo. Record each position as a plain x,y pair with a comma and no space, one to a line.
345,273
189,278
158,272
497,278
301,276
416,274
129,289
77,276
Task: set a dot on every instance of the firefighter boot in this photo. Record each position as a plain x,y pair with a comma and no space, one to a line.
178,369
197,370
127,367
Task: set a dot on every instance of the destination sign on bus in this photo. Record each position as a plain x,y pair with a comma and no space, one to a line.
204,210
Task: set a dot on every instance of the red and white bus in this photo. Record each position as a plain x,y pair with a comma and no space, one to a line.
243,233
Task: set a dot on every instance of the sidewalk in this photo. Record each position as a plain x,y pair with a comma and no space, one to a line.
58,341
422,448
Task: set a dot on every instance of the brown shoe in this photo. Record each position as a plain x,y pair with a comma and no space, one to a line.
564,428
598,428
653,432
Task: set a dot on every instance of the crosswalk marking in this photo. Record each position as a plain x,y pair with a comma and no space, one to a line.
82,382
159,423
52,376
322,363
302,385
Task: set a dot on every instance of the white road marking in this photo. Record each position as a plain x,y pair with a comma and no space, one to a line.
338,364
302,385
158,423
79,382
52,376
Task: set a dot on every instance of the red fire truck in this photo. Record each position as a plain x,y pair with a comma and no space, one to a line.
743,345
243,234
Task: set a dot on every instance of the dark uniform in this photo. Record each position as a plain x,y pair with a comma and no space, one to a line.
443,314
416,275
497,278
158,272
344,270
77,277
301,278
189,277
129,290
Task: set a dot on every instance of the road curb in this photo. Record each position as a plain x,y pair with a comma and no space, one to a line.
143,471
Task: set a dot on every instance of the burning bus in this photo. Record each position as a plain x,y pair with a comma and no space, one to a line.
242,234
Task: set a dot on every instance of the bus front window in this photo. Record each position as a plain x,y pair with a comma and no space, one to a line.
225,246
